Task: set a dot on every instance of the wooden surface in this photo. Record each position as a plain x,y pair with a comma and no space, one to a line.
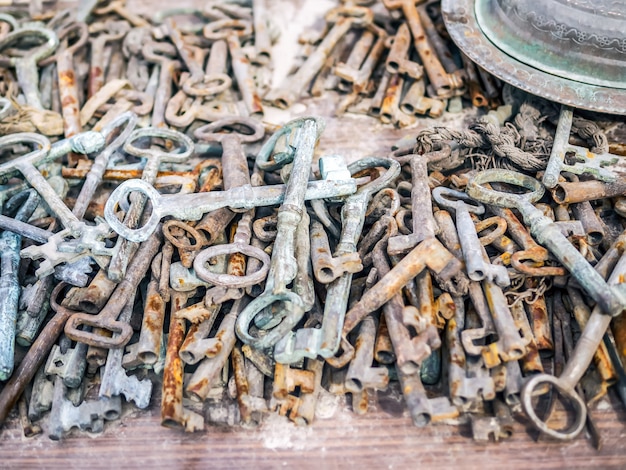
384,438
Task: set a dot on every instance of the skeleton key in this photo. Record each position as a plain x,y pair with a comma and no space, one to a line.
10,242
611,299
576,366
200,382
173,414
298,408
343,18
283,266
477,268
155,156
159,54
108,317
216,82
26,65
443,83
424,410
493,428
194,206
325,267
398,61
311,342
197,76
115,382
465,391
531,250
107,32
69,365
582,162
361,375
250,388
89,415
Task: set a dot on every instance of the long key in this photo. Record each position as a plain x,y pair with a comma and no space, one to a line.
194,206
155,156
311,342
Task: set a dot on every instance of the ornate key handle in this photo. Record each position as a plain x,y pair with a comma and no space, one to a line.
611,299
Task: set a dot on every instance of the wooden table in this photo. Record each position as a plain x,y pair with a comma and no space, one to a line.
384,438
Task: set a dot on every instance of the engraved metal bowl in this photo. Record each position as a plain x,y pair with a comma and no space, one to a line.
569,51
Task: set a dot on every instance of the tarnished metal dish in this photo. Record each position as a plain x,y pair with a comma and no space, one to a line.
569,51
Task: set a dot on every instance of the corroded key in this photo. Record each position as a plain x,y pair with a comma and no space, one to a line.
182,148
114,380
361,375
477,268
10,290
311,342
107,318
88,416
26,65
582,162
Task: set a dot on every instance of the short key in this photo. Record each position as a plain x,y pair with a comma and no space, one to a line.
477,268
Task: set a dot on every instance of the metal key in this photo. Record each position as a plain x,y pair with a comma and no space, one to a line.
576,366
477,268
10,243
311,342
283,266
182,149
107,318
26,65
194,206
582,162
115,381
611,299
88,416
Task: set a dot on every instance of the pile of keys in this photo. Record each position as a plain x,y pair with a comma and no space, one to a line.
154,236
